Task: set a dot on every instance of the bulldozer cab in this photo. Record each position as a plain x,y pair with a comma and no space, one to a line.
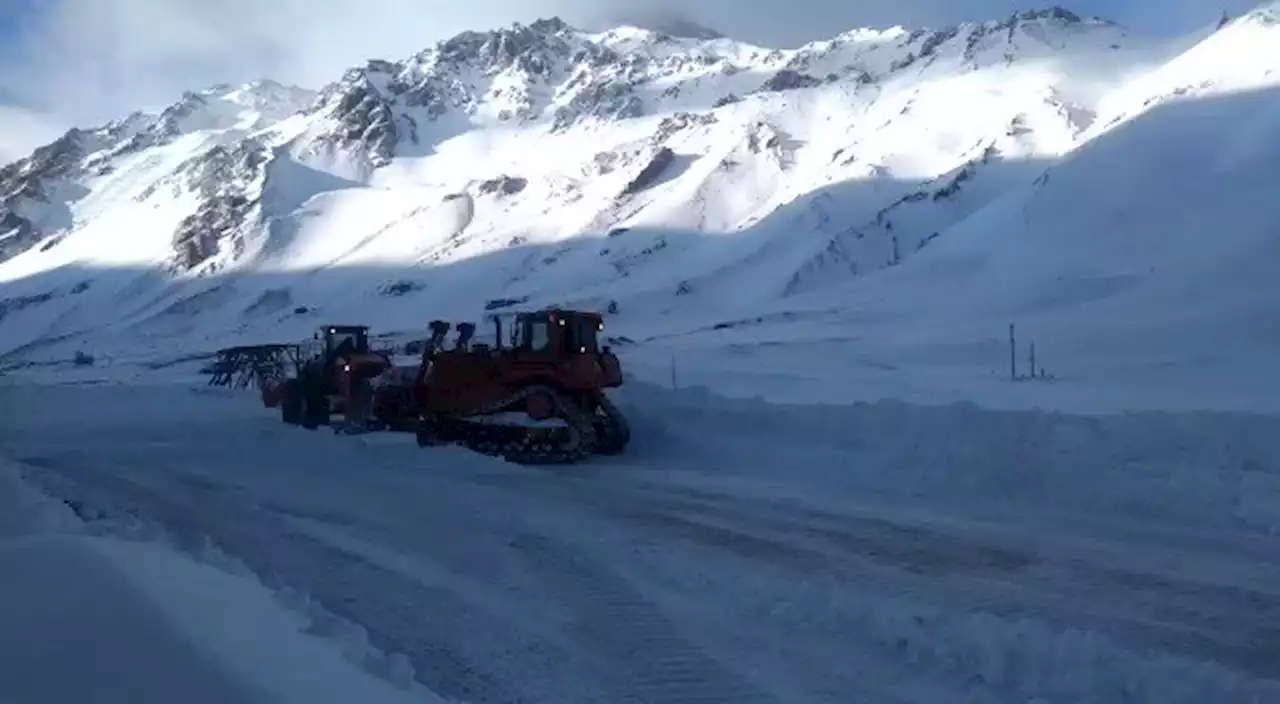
557,333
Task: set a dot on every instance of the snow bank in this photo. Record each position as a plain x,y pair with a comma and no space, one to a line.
92,618
1207,469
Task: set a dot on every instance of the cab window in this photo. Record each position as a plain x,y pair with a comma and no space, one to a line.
587,339
539,335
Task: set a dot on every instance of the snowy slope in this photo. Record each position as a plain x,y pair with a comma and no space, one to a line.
693,183
1142,265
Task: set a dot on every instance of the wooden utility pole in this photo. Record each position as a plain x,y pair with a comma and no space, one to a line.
1013,355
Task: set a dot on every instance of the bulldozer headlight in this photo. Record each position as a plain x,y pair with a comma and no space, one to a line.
346,367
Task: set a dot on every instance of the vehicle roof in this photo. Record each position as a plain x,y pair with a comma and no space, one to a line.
566,312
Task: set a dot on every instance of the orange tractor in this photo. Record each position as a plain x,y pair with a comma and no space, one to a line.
332,380
539,398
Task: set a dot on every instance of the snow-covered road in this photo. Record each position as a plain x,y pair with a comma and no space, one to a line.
740,552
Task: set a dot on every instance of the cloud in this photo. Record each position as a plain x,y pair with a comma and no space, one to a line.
94,59
88,61
23,130
791,22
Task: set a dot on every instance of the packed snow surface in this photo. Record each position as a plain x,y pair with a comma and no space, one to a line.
740,551
119,617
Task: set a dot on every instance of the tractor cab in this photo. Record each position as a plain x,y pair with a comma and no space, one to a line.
557,332
343,340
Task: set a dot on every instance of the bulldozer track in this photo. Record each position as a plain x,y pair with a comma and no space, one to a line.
525,449
616,430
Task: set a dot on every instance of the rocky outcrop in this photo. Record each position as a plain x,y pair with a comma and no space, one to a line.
32,182
674,124
503,185
364,118
788,79
229,182
652,171
49,180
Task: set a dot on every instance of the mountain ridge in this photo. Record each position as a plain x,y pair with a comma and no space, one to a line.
620,167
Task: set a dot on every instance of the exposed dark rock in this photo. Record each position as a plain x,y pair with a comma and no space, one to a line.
729,99
365,119
503,185
400,288
681,121
604,99
789,79
661,159
227,181
17,303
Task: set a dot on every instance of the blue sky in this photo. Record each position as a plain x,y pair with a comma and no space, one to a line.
11,15
65,62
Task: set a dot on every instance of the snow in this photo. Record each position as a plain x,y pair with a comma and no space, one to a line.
104,619
740,549
835,491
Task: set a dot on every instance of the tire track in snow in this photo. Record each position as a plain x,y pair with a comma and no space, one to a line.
764,536
1243,622
390,606
646,657
1226,624
560,596
659,665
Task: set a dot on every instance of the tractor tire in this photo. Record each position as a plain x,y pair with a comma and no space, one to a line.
424,438
315,409
291,403
426,432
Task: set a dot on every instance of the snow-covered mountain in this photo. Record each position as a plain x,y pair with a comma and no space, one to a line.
684,182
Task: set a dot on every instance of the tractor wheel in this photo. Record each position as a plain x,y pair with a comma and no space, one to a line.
315,412
315,407
427,433
291,403
424,438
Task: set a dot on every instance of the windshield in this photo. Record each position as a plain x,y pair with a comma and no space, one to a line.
345,341
587,330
